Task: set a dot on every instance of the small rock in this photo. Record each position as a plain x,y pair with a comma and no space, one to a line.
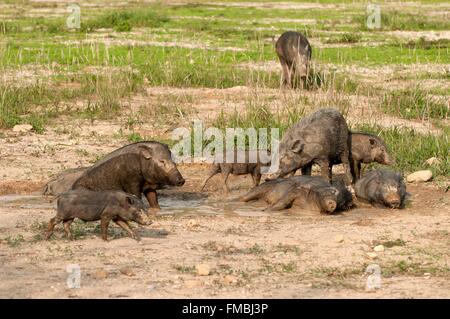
372,255
192,284
419,176
229,280
379,248
101,274
22,128
203,269
339,238
433,161
427,275
192,223
127,271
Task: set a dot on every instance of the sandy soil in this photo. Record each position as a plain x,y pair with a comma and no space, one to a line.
240,250
247,252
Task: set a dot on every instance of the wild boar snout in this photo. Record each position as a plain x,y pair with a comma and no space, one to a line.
393,200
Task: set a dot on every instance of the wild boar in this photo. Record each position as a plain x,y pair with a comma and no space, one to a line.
382,188
63,182
307,192
294,52
250,166
104,206
366,148
144,170
320,138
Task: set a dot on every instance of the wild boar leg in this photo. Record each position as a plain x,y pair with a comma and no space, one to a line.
124,225
346,164
325,169
225,178
355,167
67,228
214,171
286,73
104,223
51,225
152,199
256,176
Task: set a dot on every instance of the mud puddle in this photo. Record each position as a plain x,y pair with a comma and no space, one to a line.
175,204
27,201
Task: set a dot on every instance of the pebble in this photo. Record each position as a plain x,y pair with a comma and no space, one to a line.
229,280
372,255
101,274
433,161
339,238
22,128
379,248
419,176
203,269
127,271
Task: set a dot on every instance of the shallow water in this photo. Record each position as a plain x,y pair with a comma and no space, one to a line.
171,204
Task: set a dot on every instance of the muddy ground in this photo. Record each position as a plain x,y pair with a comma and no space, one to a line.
246,252
208,245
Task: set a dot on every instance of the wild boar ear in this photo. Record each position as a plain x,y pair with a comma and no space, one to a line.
146,152
127,202
297,146
372,142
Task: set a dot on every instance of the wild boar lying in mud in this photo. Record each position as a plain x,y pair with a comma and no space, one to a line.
382,188
294,52
104,206
320,138
366,148
135,169
307,192
252,162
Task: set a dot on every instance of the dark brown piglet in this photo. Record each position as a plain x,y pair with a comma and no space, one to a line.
104,206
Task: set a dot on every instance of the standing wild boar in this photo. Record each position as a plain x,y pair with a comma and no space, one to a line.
366,148
64,181
104,206
294,52
236,168
320,138
307,192
382,188
145,169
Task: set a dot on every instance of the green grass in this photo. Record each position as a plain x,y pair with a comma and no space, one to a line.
185,269
409,268
412,149
398,20
14,241
383,54
414,104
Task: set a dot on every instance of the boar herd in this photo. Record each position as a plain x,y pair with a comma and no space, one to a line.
112,189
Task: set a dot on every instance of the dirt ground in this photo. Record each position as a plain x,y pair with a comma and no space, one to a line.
245,251
208,245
